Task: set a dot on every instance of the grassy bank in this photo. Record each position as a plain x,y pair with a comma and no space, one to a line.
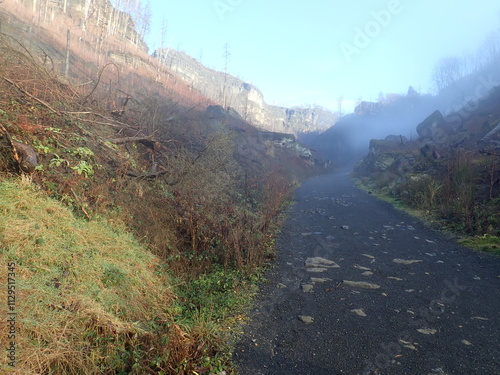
434,217
91,300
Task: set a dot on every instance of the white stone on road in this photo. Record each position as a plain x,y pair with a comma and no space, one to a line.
361,284
318,262
306,288
362,268
316,269
394,278
407,344
306,319
319,279
465,342
427,331
359,312
405,261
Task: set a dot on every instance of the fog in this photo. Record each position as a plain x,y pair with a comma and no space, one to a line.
462,82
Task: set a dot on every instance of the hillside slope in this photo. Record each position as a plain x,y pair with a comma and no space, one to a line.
127,147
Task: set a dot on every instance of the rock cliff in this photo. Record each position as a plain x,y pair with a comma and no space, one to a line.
244,98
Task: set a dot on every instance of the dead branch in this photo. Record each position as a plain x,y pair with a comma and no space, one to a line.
79,201
32,97
149,176
11,143
491,153
98,80
119,141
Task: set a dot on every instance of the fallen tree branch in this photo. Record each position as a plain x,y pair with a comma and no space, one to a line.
31,96
146,176
119,141
79,201
491,153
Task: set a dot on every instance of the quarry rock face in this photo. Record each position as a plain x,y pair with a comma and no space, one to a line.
243,97
434,128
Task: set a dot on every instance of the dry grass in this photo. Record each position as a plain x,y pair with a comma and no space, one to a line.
86,293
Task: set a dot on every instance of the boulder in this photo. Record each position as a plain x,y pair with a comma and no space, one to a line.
434,128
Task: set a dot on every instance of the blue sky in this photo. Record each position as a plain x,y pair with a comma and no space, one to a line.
299,52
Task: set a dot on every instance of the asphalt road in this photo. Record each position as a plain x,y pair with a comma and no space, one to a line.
361,288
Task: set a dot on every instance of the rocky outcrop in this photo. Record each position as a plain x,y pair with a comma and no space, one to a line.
218,118
367,108
434,128
243,97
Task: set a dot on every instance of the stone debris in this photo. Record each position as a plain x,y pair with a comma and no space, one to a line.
359,312
437,370
306,319
409,290
362,268
431,254
394,278
407,344
318,262
361,284
368,256
345,227
281,286
429,241
367,273
427,331
479,318
465,342
319,279
406,262
316,269
307,288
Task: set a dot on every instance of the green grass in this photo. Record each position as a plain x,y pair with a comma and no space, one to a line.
486,243
78,284
490,244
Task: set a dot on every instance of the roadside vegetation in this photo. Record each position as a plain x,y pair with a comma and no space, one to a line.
458,193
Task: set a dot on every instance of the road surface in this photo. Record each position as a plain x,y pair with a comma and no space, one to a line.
362,288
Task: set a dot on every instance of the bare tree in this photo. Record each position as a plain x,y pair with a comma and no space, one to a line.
226,56
340,105
86,11
145,19
447,71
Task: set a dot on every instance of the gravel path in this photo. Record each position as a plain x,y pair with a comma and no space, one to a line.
361,288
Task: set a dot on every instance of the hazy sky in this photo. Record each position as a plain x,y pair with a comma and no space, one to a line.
312,52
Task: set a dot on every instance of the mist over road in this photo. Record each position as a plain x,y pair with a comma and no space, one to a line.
361,288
